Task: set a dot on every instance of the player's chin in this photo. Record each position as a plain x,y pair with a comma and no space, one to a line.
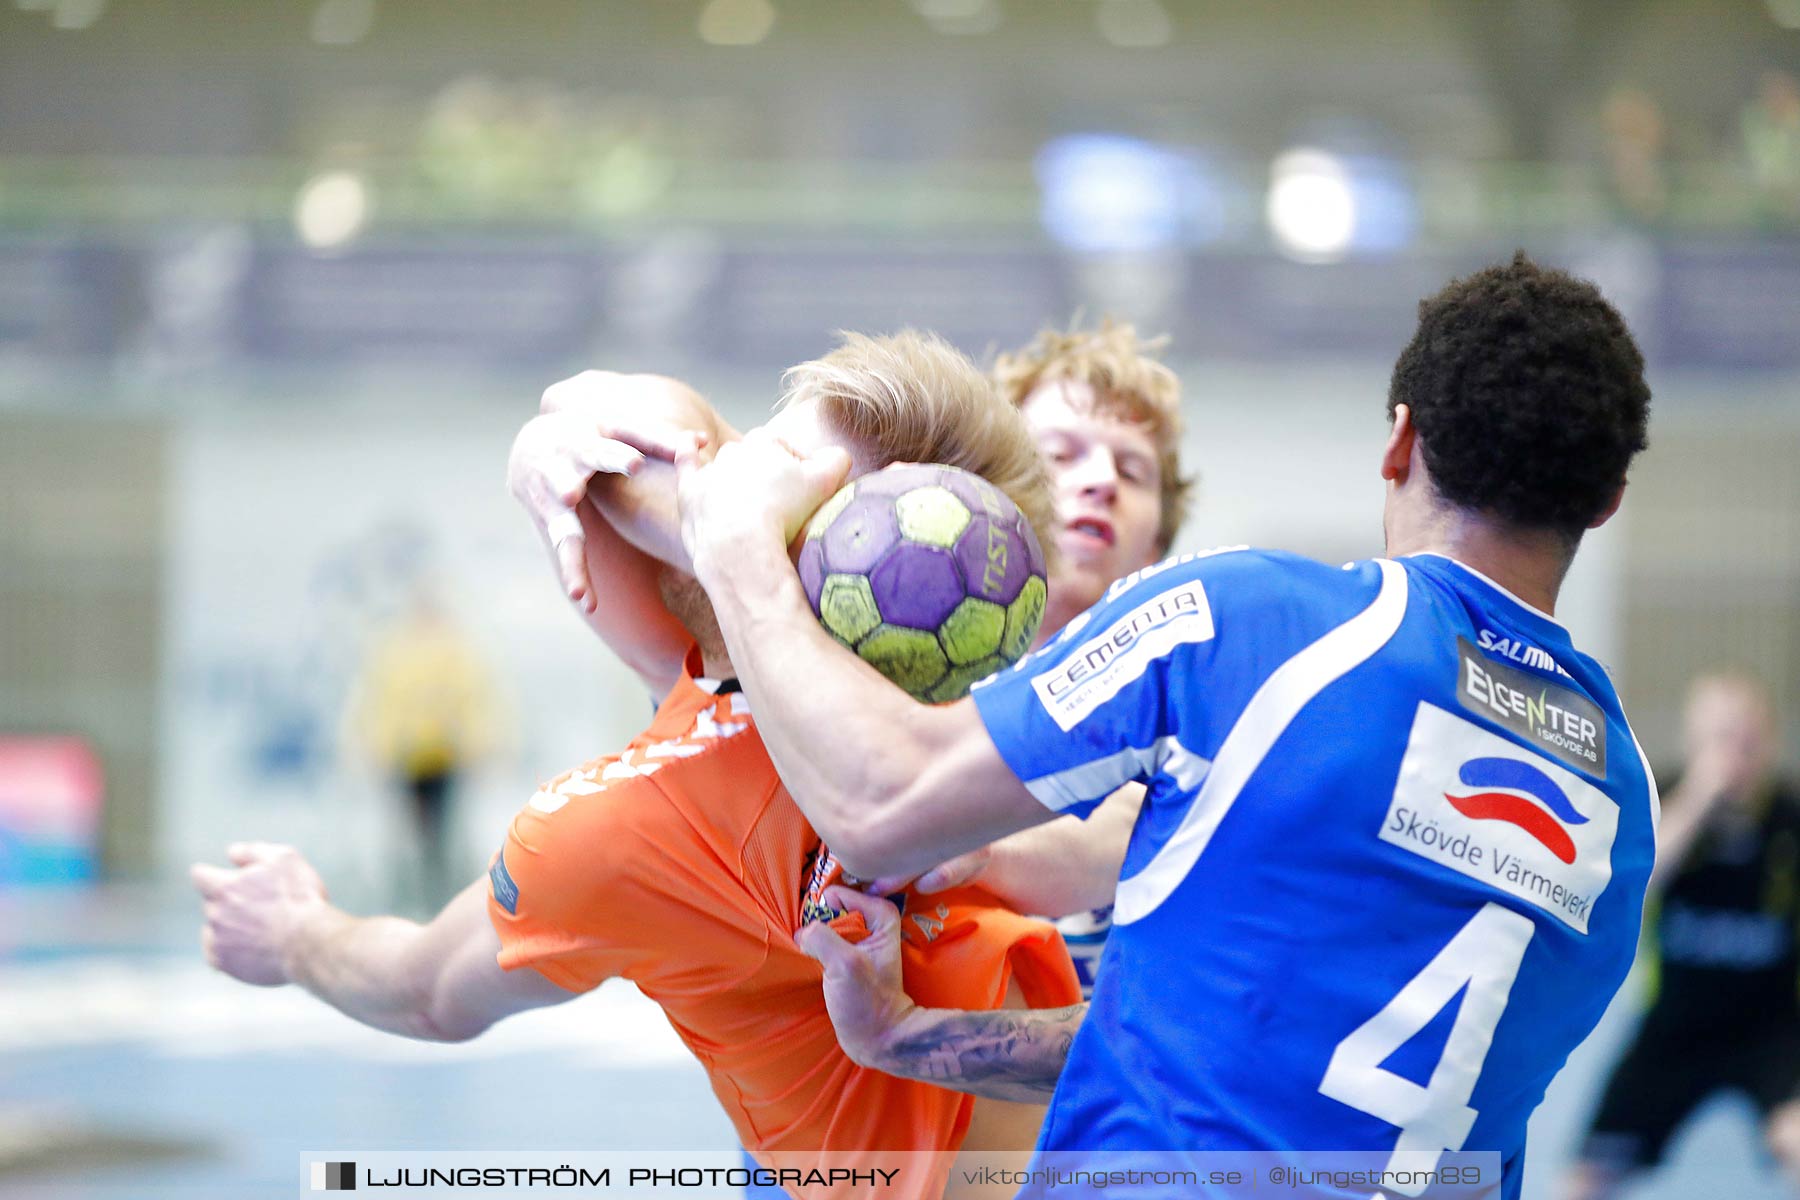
1080,580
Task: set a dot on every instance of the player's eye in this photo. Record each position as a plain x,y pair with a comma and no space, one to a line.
1136,470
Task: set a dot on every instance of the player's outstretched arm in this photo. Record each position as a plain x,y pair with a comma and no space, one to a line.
268,922
1703,789
1010,1054
893,786
593,471
1058,868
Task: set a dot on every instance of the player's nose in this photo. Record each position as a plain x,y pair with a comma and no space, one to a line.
1100,479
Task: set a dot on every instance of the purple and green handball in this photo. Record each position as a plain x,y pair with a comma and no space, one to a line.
928,572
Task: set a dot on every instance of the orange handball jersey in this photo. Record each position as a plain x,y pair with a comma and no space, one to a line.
683,865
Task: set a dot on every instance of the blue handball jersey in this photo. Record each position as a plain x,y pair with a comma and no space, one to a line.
1389,871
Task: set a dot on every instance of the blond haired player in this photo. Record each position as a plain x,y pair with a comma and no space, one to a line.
1106,416
681,863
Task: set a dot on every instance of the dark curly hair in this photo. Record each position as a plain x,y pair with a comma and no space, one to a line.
1528,396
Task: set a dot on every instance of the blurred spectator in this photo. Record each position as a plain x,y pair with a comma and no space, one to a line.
425,713
1636,148
193,280
1771,131
1725,1014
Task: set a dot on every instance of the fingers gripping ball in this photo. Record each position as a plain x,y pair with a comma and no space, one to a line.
929,573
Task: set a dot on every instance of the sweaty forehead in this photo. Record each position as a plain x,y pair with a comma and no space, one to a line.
1070,407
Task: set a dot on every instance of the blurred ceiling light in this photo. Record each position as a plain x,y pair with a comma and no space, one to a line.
76,14
331,209
960,18
736,22
1785,13
1312,207
342,22
1134,24
1103,193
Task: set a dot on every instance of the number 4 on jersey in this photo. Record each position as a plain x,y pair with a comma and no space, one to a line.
1485,956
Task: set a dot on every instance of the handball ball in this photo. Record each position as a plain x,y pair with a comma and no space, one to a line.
928,572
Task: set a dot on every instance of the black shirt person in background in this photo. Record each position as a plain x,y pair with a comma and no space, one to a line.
1726,1012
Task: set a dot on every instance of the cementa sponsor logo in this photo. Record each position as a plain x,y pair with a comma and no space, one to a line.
1102,665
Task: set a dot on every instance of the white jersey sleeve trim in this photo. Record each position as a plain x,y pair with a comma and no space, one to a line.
1270,711
1102,776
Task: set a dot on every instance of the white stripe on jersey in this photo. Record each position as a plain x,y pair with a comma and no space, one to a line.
1092,780
1276,703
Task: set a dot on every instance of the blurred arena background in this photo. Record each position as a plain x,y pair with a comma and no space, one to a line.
279,282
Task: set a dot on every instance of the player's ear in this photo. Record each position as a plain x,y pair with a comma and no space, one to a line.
1612,506
1396,456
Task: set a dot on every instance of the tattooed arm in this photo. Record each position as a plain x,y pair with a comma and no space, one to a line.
1010,1054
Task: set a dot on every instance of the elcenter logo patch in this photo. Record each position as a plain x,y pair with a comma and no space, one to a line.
1552,718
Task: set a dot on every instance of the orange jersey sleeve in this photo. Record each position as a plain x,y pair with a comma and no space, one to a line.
600,876
563,894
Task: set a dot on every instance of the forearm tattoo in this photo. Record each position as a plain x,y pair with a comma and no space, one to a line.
1012,1054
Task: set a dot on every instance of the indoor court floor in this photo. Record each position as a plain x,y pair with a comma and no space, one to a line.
128,1070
